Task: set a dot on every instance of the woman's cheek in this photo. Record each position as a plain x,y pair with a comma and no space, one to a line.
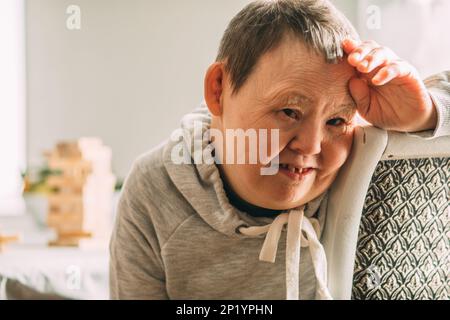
335,154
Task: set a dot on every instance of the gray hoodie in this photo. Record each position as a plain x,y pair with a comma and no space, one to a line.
178,237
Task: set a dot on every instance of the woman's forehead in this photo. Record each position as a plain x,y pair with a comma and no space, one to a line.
293,72
304,92
314,73
299,67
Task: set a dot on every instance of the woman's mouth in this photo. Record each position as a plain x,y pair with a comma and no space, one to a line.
295,173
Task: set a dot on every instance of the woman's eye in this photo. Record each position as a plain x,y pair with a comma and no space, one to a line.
336,122
291,113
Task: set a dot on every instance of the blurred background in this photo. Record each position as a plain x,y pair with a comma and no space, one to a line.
125,71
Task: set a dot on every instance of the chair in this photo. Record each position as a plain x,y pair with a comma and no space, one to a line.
387,230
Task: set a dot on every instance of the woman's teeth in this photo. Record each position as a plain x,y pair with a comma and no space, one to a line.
292,168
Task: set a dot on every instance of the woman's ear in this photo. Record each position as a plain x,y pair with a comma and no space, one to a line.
214,83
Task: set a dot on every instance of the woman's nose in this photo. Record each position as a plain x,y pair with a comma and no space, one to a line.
307,140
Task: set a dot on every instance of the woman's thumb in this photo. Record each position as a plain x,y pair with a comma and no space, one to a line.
361,94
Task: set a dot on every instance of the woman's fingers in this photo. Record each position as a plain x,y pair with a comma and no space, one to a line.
357,57
378,64
367,56
395,69
349,45
378,57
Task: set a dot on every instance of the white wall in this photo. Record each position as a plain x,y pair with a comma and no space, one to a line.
349,8
128,75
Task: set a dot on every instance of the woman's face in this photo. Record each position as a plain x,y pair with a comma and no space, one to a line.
295,91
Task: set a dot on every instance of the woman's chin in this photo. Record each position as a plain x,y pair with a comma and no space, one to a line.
284,199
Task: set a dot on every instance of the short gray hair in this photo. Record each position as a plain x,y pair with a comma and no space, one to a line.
261,25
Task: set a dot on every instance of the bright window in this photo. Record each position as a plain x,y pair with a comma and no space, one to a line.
12,105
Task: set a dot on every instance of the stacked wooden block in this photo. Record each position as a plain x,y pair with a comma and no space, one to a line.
81,202
5,239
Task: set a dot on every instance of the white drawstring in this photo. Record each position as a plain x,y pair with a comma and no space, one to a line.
297,223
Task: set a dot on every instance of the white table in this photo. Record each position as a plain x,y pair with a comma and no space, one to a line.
40,270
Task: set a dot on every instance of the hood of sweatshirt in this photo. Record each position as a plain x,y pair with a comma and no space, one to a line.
189,161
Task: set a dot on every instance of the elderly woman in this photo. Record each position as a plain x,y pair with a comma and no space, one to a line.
295,69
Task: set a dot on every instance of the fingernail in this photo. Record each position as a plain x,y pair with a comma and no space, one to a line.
357,56
376,79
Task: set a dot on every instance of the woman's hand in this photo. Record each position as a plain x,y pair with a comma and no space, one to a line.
388,90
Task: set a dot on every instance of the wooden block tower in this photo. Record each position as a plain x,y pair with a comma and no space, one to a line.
5,239
83,185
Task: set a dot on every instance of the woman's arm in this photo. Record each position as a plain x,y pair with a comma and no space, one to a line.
439,88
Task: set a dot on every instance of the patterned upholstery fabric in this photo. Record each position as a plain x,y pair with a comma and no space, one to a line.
403,249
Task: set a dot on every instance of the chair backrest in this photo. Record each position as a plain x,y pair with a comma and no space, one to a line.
387,229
